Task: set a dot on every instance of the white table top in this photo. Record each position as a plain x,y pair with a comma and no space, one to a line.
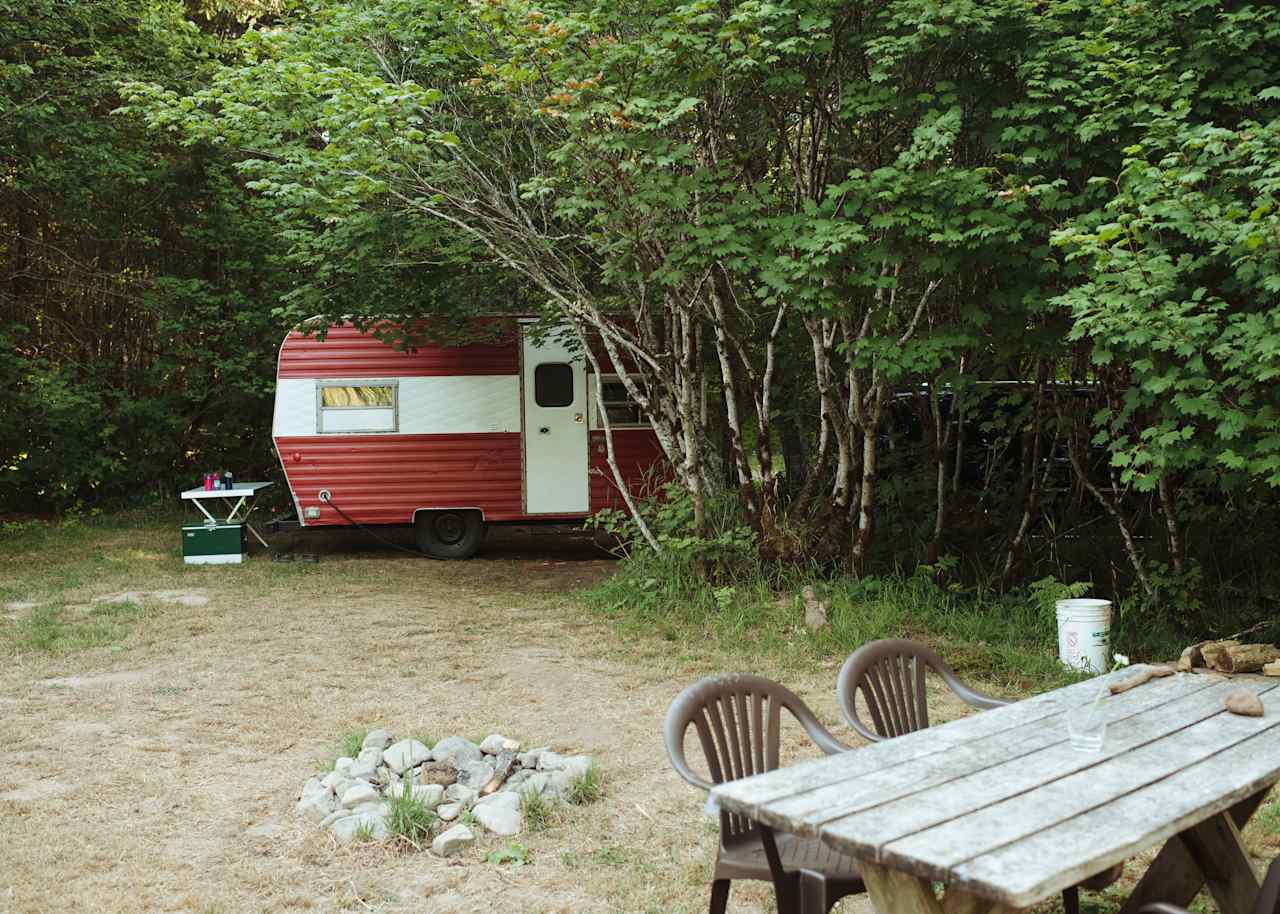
240,489
998,804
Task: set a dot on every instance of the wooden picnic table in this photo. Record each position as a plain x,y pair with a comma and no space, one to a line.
1000,808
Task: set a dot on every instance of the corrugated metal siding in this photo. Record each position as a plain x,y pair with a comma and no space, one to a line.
345,352
382,479
640,459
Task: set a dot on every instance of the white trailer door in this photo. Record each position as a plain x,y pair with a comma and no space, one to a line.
555,427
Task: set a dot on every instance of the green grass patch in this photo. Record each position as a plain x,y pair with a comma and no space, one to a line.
539,812
348,746
410,819
59,630
587,787
1268,818
1005,640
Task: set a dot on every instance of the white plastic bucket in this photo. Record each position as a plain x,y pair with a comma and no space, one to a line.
1084,630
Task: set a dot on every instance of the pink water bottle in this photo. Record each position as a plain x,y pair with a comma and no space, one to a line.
208,482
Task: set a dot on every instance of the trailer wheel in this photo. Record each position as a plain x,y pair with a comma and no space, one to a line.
449,534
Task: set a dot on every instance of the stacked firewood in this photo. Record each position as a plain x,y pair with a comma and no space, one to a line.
1231,656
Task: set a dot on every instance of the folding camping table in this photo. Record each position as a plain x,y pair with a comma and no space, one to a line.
244,493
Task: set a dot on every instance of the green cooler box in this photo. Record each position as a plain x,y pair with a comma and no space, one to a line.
209,544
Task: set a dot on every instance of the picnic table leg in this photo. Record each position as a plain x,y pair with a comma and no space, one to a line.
896,892
1175,876
1220,855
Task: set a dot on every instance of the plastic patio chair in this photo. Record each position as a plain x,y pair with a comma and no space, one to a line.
890,675
738,719
1268,897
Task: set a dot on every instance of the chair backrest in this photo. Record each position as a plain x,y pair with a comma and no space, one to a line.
890,676
738,718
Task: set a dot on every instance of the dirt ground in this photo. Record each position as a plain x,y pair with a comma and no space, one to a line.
159,772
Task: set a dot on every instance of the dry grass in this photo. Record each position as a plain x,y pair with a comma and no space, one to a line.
155,768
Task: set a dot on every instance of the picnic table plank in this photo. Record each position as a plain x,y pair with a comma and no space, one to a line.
748,796
1040,865
864,833
935,851
808,812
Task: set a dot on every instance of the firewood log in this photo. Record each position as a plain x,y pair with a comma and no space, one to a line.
1247,658
1272,669
1213,652
1191,658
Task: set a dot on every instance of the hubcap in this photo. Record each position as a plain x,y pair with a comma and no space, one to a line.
450,528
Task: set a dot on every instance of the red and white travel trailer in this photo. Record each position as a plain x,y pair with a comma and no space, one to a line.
450,439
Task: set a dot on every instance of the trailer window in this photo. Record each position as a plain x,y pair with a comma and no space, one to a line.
553,384
622,409
364,395
343,408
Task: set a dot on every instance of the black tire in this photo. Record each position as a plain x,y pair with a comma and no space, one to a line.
449,534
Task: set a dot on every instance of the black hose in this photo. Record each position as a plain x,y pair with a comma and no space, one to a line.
328,500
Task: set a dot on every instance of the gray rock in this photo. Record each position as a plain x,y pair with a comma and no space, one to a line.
494,743
447,812
370,809
576,765
452,841
457,750
332,780
558,782
503,764
536,782
460,793
530,759
405,754
517,779
316,807
378,739
347,829
371,755
360,792
334,817
429,795
343,765
475,774
388,779
313,787
500,813
362,772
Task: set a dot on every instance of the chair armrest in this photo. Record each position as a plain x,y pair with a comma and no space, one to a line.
820,735
675,753
972,696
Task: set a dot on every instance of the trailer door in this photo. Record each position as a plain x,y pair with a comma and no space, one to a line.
555,428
